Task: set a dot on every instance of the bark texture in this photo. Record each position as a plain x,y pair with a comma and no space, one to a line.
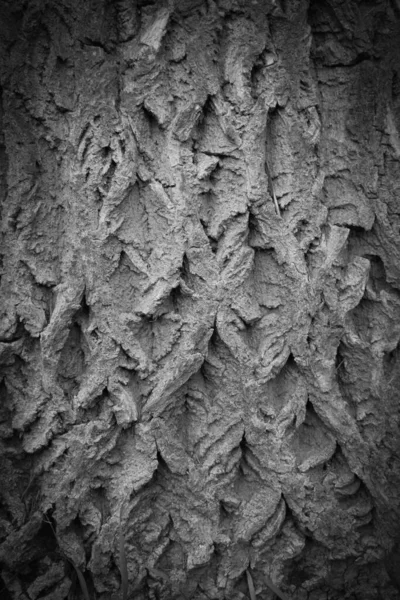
192,380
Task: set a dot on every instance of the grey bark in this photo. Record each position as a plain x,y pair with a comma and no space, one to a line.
193,378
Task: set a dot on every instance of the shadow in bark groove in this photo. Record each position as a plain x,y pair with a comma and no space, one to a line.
312,443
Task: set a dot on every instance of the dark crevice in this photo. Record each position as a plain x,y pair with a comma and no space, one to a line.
142,4
47,533
151,119
176,296
215,175
249,464
252,224
395,85
355,229
307,565
108,177
184,270
125,263
243,444
162,467
364,56
224,512
212,242
391,364
215,340
255,73
4,594
173,557
71,362
207,111
105,153
289,366
312,443
396,9
339,360
213,245
96,44
343,378
300,228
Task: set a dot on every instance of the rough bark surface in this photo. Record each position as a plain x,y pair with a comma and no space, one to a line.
192,380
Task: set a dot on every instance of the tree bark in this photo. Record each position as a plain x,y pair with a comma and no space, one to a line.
200,324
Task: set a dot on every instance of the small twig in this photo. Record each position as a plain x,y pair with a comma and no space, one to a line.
250,585
32,191
269,583
131,126
271,185
340,364
31,480
79,573
273,587
82,582
283,118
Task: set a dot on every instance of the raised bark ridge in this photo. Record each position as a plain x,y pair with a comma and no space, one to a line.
179,362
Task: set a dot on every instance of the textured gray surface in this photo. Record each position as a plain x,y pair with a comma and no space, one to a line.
173,351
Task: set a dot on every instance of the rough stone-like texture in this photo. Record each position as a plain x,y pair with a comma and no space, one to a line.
185,373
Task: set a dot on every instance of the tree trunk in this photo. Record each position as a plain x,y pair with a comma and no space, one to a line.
200,320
